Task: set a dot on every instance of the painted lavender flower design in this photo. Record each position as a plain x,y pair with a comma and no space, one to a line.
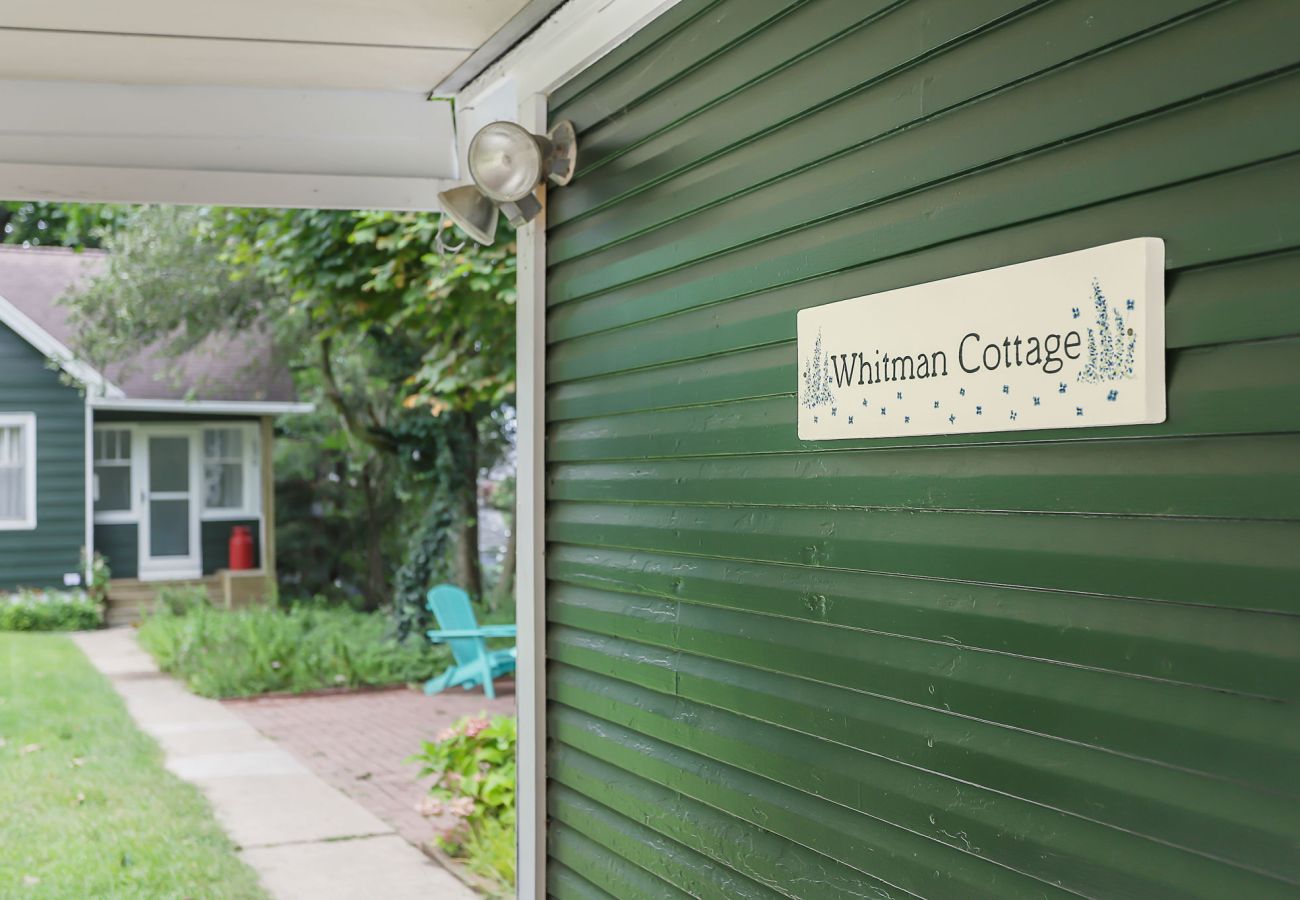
817,378
1112,344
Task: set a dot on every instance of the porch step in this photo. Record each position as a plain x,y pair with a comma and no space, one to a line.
130,600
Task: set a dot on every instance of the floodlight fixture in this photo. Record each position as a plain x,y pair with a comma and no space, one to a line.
508,163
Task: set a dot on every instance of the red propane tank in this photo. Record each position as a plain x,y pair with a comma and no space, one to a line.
241,547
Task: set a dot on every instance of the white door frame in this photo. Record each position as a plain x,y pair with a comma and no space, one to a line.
516,88
256,503
168,568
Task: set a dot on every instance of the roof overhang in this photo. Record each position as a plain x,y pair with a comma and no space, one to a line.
202,407
292,103
236,146
53,349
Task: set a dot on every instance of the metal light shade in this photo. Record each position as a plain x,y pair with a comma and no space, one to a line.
564,153
506,161
472,211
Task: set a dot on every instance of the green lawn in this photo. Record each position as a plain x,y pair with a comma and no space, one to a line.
85,804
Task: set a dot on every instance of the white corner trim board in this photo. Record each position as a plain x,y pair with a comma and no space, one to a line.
516,89
530,525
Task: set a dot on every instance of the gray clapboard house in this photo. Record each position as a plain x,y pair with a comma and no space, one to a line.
150,462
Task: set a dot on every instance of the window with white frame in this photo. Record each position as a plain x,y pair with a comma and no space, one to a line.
112,452
17,471
229,470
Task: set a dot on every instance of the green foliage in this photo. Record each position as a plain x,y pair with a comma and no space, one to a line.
408,356
489,850
98,577
377,274
86,807
427,563
179,599
473,767
255,651
38,223
30,610
460,309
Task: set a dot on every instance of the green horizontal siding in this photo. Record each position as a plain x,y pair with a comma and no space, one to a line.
119,544
42,556
1033,664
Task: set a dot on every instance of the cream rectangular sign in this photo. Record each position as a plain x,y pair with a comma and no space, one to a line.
1069,341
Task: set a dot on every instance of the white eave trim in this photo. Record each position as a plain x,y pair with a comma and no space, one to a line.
574,37
520,25
23,326
200,407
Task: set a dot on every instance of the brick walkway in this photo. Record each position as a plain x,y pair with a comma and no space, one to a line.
359,742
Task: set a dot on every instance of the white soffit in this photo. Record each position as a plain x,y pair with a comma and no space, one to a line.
403,45
281,103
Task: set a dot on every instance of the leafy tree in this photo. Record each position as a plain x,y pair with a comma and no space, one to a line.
413,352
443,327
39,223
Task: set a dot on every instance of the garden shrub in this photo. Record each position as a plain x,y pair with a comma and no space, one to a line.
97,576
473,767
34,610
240,653
182,598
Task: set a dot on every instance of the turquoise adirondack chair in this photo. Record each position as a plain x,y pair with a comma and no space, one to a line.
475,664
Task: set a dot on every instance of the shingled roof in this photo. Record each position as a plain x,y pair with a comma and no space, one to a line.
242,367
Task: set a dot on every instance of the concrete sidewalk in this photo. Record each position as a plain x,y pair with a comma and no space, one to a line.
304,838
360,742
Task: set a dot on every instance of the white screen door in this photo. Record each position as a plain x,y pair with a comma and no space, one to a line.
169,540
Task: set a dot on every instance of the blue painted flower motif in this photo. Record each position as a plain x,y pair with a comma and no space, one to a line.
936,404
1112,345
952,417
1074,312
1006,388
1130,304
814,420
900,395
835,411
979,410
1038,401
1013,415
1061,389
850,420
864,401
882,410
1078,410
1113,396
906,419
962,391
817,379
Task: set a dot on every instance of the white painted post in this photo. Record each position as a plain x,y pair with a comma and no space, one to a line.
530,578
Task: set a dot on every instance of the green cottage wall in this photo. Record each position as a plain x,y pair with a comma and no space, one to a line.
119,544
1034,664
41,557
